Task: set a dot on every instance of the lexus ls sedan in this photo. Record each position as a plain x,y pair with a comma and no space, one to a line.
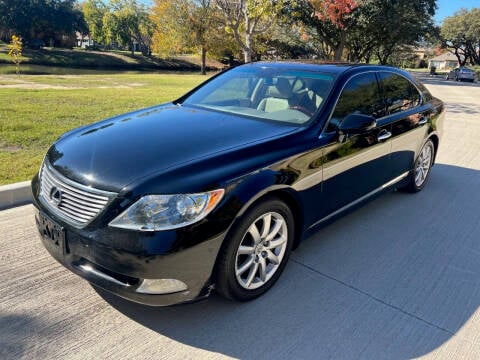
214,190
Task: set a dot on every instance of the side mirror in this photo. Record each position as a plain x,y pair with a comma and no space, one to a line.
357,124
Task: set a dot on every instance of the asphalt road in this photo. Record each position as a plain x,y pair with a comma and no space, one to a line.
398,278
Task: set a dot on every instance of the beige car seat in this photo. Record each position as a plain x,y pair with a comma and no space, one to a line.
278,96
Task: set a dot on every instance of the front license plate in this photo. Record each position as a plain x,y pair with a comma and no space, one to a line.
53,233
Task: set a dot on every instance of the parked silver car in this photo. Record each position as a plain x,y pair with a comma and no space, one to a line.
461,74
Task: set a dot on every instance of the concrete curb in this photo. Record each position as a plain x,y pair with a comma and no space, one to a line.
15,195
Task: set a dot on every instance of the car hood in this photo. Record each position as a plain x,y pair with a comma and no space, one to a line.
115,152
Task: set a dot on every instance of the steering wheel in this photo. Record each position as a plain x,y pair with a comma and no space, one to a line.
301,109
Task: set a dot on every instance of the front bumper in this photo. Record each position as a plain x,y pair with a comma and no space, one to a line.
119,260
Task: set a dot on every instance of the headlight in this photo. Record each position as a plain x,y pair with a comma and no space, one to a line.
165,212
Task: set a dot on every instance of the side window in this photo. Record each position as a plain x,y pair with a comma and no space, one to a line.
399,93
360,95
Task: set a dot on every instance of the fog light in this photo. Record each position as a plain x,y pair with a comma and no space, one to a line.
161,286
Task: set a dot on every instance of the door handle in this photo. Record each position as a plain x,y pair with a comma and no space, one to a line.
422,120
384,135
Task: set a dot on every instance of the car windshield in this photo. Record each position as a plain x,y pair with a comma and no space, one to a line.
285,95
465,70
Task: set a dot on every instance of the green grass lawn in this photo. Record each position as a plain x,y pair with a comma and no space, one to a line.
35,110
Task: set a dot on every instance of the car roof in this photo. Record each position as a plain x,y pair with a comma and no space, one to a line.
316,65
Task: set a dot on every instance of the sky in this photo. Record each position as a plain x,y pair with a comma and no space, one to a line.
448,7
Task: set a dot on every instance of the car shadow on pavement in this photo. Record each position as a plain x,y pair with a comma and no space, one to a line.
397,278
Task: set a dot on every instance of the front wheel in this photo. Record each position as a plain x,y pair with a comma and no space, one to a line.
422,166
256,251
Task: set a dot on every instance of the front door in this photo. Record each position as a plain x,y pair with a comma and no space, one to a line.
356,165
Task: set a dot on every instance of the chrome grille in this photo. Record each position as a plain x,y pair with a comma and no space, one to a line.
77,204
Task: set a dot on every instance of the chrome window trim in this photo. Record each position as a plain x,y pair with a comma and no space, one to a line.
421,102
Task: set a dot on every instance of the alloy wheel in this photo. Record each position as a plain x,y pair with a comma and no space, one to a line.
261,250
423,164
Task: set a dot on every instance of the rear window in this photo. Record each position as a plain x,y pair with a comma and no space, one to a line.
399,93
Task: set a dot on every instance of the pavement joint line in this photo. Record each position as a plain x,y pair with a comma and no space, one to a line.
373,297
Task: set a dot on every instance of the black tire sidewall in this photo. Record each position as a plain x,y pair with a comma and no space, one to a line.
226,276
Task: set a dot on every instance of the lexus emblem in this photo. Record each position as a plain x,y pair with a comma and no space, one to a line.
56,195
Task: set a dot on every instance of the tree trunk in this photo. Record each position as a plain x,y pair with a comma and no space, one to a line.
474,58
460,61
204,61
247,56
133,49
341,45
247,52
384,54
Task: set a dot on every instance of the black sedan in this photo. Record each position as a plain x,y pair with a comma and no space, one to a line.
215,189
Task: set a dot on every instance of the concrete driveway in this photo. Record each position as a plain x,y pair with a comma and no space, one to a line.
398,278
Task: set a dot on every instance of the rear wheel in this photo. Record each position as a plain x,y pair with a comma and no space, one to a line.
256,252
422,166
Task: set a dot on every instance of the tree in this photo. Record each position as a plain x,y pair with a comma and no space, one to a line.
187,26
94,11
395,23
461,33
331,21
200,22
246,18
127,22
170,19
367,28
336,16
40,18
15,52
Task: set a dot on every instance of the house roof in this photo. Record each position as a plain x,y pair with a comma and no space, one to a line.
448,56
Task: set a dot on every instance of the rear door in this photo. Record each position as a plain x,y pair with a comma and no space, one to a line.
407,117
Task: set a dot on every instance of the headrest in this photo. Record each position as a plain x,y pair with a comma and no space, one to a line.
284,88
318,86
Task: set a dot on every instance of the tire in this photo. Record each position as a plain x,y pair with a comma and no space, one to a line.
248,249
421,168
